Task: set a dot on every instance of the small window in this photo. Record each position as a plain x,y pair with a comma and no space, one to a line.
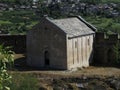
88,41
75,44
46,56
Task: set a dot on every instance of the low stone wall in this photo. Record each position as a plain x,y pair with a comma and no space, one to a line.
17,42
104,48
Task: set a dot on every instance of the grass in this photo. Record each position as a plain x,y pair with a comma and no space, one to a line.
5,22
28,79
110,1
34,81
105,24
17,22
24,82
101,1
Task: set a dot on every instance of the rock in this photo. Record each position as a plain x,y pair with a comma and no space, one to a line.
84,77
58,88
80,85
99,88
115,84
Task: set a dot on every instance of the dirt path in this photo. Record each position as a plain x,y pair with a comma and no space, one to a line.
91,78
90,71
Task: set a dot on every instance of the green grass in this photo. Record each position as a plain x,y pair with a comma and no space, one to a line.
24,82
110,1
17,22
5,22
105,24
100,1
32,24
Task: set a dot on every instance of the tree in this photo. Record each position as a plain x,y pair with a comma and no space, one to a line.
24,2
92,1
6,60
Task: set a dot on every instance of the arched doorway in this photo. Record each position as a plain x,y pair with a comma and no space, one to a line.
46,58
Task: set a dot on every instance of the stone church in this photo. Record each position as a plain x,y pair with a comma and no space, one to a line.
60,43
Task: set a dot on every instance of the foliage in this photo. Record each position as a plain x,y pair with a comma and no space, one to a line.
6,59
104,24
110,1
7,1
19,2
24,81
20,21
91,1
17,22
117,53
100,1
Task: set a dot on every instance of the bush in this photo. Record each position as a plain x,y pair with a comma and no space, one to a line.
6,59
116,49
24,81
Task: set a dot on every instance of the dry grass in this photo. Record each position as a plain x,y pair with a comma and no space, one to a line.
26,78
18,56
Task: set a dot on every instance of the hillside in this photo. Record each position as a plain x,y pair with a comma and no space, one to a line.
19,16
17,19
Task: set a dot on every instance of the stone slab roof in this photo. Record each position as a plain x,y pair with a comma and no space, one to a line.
73,26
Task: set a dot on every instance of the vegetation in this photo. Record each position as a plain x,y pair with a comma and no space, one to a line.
24,82
110,1
29,2
116,49
103,24
17,22
61,81
6,60
100,1
20,21
20,2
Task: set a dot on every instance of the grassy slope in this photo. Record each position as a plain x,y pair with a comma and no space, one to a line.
16,21
111,1
36,80
24,82
105,24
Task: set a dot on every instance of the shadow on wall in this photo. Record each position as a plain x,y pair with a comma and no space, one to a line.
104,53
21,65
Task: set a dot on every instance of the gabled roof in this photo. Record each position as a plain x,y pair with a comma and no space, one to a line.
74,26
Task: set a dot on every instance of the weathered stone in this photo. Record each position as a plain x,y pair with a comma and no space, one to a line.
115,84
60,44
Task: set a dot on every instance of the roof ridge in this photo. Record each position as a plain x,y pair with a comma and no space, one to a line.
69,26
88,24
51,21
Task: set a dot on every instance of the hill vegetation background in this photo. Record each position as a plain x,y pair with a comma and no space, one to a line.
20,15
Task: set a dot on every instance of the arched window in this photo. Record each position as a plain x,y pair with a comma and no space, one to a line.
46,58
109,55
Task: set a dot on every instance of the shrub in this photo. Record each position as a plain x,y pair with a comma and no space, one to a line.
6,58
117,53
24,81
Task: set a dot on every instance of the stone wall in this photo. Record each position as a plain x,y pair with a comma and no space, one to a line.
46,37
80,51
103,48
17,42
